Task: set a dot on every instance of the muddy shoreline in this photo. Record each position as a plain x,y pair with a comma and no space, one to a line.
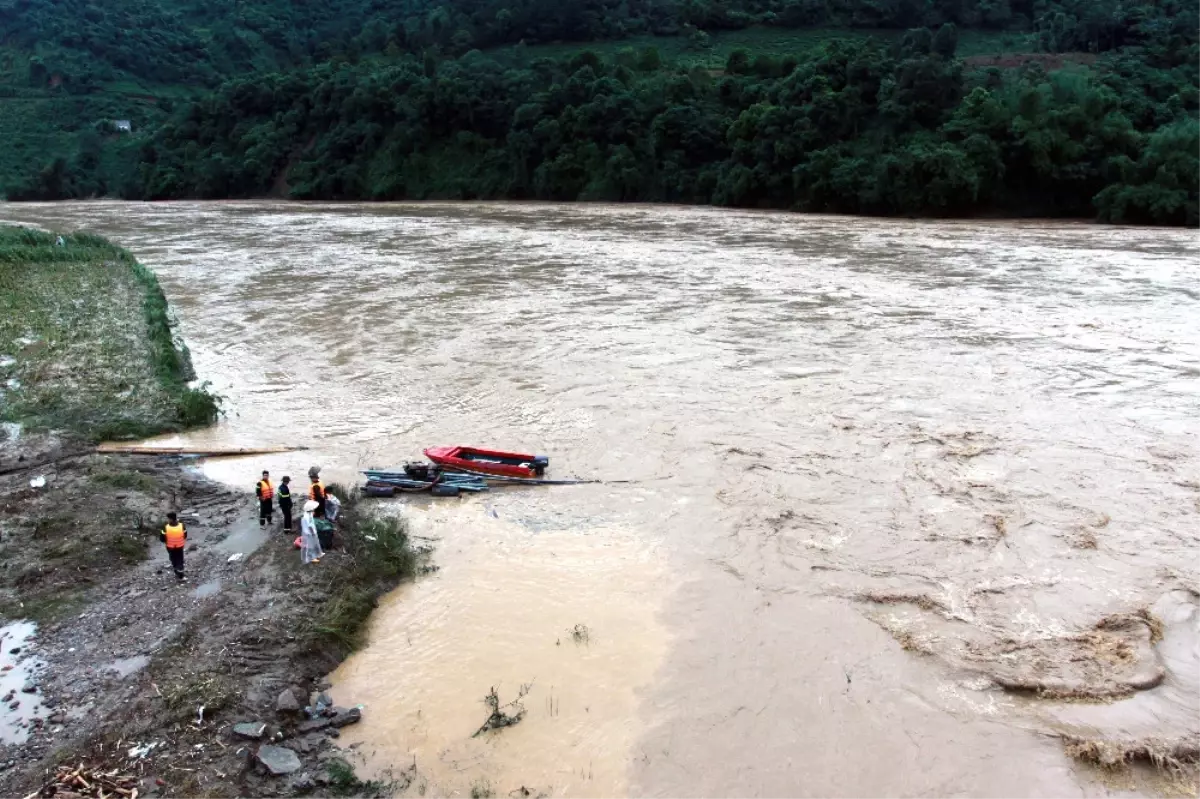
146,677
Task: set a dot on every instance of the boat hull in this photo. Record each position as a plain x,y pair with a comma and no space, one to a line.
486,461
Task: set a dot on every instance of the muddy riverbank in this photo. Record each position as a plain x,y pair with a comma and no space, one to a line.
116,676
915,506
179,686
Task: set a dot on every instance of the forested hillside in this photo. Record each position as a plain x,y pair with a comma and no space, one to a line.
940,107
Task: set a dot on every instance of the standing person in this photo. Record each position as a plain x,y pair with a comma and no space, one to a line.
174,535
285,502
333,506
310,544
316,493
265,492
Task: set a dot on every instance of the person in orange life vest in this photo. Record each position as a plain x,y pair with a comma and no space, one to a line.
316,493
174,535
266,493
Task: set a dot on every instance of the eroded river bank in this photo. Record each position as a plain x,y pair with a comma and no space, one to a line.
916,500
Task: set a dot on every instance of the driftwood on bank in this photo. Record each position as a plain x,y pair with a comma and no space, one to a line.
210,452
82,781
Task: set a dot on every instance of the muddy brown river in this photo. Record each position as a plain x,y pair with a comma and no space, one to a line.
912,499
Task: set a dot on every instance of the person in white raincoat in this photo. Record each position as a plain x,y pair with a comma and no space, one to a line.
310,544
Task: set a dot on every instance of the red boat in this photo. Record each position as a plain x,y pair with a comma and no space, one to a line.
487,461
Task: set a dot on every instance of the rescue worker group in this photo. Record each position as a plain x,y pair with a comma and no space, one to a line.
320,510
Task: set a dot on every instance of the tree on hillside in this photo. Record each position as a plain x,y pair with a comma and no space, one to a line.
1160,187
945,41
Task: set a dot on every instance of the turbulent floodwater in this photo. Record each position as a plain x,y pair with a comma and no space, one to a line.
886,468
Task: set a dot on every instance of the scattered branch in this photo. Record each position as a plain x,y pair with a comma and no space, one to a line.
502,716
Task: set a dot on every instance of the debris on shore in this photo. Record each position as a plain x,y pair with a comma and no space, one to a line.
87,781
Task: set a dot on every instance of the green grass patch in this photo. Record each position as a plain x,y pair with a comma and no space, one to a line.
47,609
186,690
124,478
86,341
130,549
51,525
344,782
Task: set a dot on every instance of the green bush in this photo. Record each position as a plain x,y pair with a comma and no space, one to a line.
377,555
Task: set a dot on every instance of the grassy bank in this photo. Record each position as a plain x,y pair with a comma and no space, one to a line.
86,343
377,554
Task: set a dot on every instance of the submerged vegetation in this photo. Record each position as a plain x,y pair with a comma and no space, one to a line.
1055,107
86,342
501,716
344,781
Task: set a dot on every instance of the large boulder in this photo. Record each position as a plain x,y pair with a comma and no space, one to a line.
287,702
343,717
278,760
250,730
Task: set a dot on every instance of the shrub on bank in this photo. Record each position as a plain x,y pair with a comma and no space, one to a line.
377,555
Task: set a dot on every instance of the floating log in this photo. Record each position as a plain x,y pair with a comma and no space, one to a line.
112,448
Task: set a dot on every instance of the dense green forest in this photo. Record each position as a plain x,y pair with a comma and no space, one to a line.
938,107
